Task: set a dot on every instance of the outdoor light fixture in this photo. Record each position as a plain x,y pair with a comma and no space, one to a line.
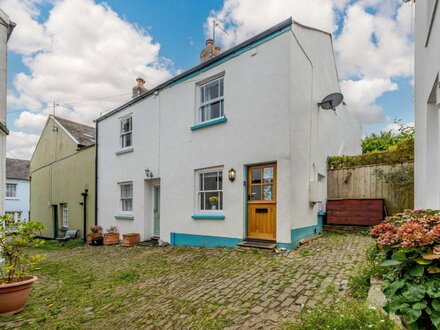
148,173
232,175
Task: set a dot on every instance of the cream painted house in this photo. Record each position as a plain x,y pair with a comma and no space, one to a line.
427,104
62,178
233,149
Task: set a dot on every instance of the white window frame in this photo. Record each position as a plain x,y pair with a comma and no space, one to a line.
199,192
17,215
202,103
13,186
65,215
124,198
123,134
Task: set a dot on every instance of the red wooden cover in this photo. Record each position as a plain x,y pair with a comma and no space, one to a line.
365,212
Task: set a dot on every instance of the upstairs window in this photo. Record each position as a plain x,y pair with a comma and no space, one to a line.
126,197
211,100
11,190
126,132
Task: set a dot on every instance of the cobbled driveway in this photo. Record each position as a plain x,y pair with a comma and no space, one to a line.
187,288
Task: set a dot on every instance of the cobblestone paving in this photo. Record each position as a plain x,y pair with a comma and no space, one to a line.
191,288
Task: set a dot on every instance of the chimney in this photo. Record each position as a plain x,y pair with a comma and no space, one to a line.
139,89
209,51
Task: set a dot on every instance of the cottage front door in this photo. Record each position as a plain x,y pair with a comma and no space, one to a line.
262,202
156,211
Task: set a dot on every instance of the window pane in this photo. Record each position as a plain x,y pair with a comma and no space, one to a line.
212,90
202,94
256,193
268,174
268,192
211,204
215,110
210,181
221,87
220,180
256,175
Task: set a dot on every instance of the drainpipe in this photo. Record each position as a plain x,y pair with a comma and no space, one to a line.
96,173
84,203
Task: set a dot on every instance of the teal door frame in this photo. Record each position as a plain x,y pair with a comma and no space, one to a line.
245,184
156,211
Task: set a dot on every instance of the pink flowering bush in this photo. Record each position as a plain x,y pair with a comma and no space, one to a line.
410,246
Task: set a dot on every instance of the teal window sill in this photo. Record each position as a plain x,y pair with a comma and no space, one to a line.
208,216
124,217
209,123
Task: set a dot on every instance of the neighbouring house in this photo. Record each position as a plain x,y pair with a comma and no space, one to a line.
427,104
17,188
62,176
233,149
6,27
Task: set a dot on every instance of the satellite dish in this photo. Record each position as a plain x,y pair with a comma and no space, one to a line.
330,102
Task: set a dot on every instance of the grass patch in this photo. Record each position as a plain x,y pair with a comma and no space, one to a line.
350,314
359,281
305,252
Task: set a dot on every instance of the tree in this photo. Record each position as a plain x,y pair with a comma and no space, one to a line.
388,140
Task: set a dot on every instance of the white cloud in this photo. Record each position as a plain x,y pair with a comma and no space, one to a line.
89,53
373,47
395,127
21,145
31,121
361,94
244,18
28,36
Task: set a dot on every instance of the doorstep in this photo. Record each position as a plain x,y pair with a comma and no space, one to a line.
265,245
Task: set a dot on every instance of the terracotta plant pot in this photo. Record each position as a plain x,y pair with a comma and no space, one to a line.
111,238
14,296
92,236
130,239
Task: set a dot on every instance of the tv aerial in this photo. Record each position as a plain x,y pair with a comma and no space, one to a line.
330,102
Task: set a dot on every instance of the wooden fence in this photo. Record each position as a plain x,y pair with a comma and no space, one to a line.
361,182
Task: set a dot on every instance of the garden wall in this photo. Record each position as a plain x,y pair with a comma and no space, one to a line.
362,182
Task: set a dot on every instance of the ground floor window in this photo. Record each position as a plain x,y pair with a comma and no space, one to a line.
17,215
126,196
210,190
65,215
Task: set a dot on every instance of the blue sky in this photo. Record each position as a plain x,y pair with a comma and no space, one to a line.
378,87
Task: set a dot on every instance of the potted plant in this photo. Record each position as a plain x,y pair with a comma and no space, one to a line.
112,236
96,231
16,240
130,239
214,201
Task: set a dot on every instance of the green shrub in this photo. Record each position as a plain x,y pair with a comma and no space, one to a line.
410,244
350,314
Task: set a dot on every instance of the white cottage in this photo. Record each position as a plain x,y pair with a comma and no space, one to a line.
427,104
233,149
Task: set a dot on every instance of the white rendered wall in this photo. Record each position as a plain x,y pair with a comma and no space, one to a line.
268,105
427,68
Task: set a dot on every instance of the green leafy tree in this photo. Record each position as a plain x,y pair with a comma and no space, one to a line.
16,241
388,140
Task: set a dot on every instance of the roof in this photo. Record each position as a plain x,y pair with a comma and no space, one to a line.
83,135
235,51
17,169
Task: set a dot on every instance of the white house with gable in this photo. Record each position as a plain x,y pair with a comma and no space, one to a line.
233,149
427,104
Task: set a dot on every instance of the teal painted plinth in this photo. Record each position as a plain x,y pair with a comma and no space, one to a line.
209,123
208,216
202,240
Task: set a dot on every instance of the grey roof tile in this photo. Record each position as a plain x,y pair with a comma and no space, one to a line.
17,169
85,135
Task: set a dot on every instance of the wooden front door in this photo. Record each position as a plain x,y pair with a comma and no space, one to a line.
262,202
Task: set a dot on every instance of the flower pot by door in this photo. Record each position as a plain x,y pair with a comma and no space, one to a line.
111,238
130,240
91,236
14,296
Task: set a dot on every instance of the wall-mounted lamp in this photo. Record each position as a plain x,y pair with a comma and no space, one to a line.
148,173
232,174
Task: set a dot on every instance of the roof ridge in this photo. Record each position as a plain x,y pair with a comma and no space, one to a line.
71,121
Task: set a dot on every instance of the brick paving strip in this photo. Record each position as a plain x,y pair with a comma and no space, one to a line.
186,288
